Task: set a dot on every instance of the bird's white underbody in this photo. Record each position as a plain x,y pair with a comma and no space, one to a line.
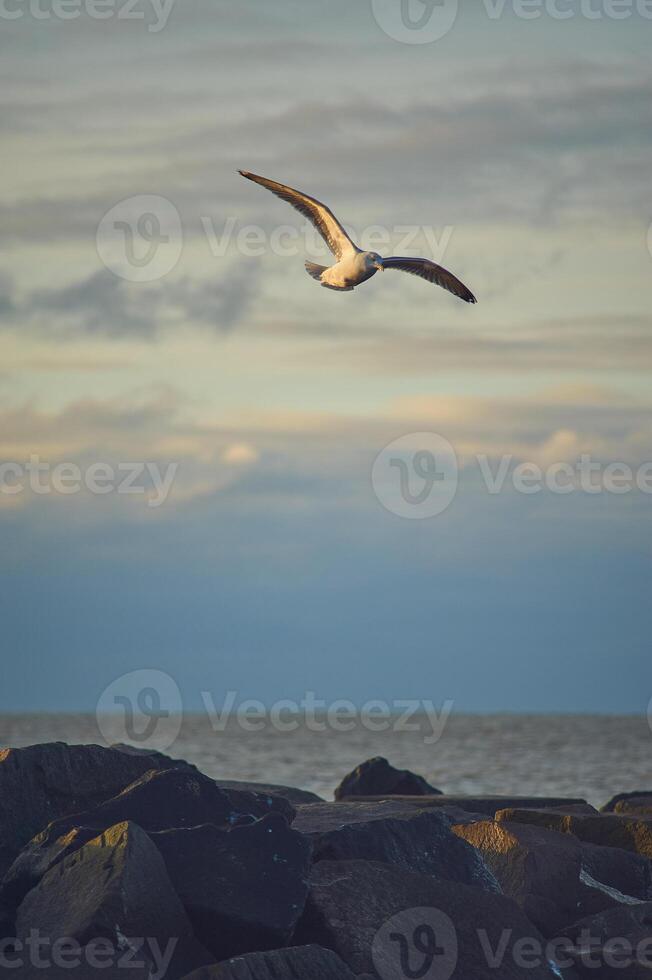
354,266
352,269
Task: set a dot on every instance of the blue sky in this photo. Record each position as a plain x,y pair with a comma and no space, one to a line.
522,149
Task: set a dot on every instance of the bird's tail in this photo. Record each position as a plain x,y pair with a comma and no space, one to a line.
315,270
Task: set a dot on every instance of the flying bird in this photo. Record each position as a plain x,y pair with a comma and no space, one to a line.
354,266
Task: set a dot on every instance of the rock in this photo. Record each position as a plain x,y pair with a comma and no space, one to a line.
34,861
376,918
114,889
156,801
554,876
631,833
243,889
570,808
415,840
290,793
539,869
638,802
297,963
611,876
615,945
376,777
41,783
487,806
7,927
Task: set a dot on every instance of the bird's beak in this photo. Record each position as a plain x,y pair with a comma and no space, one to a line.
379,265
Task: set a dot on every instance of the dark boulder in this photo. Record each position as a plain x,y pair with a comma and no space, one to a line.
614,945
297,963
290,793
629,832
539,869
35,860
638,802
415,840
376,777
611,876
243,889
114,890
608,876
488,806
377,918
41,783
156,801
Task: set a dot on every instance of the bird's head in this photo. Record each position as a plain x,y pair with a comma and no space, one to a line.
375,261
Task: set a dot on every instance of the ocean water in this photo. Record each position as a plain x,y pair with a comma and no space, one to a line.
586,756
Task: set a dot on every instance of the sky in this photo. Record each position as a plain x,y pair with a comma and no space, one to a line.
516,150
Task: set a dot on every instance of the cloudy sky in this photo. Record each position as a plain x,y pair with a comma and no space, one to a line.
517,151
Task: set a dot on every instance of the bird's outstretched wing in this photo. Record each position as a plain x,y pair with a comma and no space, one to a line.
433,273
322,217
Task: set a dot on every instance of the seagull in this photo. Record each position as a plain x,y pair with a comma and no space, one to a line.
354,266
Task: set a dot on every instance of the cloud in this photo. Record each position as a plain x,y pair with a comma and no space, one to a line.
535,144
240,452
219,303
7,288
584,343
552,425
310,462
104,304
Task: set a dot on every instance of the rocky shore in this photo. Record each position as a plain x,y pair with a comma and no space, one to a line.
118,863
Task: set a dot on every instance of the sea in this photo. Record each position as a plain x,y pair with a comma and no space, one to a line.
587,756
